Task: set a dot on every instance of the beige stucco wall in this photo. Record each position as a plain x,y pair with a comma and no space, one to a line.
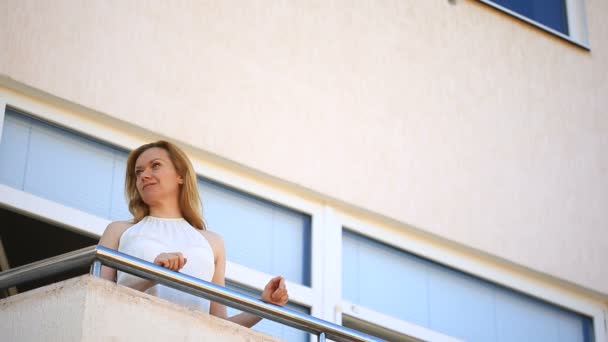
454,119
91,309
52,313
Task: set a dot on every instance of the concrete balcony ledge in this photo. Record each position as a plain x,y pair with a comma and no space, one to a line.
91,309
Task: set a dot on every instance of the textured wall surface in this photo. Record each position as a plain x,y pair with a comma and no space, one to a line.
52,313
455,119
90,309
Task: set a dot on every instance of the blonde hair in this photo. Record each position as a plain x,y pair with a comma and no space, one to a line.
189,199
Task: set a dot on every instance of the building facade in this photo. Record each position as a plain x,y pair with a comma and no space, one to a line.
432,170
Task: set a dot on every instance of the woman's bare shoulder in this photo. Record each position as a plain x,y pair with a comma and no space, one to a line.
215,240
119,226
111,236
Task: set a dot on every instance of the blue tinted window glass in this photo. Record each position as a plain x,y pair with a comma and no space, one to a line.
257,233
14,145
62,166
551,13
405,286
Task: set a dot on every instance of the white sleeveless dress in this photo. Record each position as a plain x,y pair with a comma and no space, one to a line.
152,236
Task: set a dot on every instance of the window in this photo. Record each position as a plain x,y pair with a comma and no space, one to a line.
32,152
263,237
564,18
551,13
385,280
259,234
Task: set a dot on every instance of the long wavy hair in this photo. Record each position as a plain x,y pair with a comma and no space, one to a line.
189,200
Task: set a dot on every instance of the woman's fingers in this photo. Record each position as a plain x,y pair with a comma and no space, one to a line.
273,283
161,261
280,299
277,291
173,261
178,261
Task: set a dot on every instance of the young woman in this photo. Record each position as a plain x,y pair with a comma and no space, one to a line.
168,229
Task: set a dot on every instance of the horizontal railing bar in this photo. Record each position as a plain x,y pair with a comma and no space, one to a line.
227,296
182,282
47,267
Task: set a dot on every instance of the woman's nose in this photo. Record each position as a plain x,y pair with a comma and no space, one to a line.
145,174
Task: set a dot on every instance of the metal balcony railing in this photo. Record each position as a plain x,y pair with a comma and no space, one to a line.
98,255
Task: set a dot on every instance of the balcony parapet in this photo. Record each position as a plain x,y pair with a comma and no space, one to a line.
88,308
98,255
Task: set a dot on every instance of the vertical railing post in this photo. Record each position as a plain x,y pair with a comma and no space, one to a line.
322,337
96,268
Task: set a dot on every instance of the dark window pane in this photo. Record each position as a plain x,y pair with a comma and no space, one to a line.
551,13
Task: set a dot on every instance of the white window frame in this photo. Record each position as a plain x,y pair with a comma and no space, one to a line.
2,111
576,17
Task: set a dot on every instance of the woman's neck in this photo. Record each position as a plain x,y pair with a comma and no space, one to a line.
165,210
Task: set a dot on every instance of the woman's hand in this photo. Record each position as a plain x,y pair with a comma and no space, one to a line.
275,292
173,261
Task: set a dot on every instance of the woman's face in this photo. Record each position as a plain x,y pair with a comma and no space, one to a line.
157,179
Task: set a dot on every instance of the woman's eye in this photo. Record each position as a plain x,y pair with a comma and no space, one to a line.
137,173
156,165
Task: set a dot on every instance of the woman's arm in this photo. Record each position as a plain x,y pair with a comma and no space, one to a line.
110,239
274,293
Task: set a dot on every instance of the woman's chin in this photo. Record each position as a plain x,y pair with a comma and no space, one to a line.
151,199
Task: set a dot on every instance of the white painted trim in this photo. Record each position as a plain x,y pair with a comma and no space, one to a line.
600,325
317,252
2,112
332,267
400,326
52,212
578,39
577,21
484,269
